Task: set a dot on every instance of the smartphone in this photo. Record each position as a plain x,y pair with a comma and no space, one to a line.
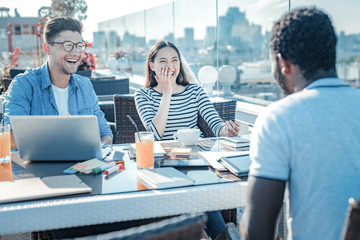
238,165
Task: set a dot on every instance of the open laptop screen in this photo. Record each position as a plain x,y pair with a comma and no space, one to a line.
57,138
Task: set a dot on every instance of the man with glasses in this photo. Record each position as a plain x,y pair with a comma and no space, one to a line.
53,88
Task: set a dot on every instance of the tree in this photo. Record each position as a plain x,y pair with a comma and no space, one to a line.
64,8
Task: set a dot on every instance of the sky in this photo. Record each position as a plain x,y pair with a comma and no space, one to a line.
98,10
262,12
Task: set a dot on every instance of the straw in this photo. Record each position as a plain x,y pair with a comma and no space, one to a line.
134,124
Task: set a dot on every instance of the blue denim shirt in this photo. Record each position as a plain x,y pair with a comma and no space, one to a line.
31,94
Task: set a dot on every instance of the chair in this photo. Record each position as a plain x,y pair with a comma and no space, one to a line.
124,104
231,233
14,72
84,73
110,86
184,227
226,112
6,83
351,229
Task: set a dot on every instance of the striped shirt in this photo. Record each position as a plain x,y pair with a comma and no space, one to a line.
183,111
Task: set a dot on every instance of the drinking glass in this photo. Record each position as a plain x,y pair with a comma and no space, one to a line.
144,149
5,152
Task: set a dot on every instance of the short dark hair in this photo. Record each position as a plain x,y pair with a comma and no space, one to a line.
150,80
305,37
57,25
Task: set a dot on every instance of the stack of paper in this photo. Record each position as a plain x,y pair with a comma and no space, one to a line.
237,143
166,177
179,153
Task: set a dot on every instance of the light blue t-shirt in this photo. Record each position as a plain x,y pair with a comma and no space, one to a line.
312,140
31,94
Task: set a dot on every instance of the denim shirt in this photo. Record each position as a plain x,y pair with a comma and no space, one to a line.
31,94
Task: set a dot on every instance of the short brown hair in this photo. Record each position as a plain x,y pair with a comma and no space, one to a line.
57,25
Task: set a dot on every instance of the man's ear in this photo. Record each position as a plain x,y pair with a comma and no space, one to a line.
46,48
283,64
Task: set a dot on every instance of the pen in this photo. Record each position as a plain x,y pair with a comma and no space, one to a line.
102,168
114,169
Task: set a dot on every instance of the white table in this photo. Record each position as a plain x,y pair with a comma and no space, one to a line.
82,210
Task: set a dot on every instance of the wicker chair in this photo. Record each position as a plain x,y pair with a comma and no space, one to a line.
110,86
14,72
124,104
226,112
231,233
6,83
351,229
185,227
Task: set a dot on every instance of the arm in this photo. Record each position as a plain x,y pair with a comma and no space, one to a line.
145,107
209,113
104,128
17,102
165,85
155,120
161,115
264,200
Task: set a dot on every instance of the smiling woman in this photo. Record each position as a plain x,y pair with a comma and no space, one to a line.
169,102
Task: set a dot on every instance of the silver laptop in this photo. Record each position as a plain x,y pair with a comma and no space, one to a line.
57,138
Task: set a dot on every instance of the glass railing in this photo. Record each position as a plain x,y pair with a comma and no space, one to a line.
228,33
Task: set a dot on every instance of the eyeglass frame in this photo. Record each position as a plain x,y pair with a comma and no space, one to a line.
73,44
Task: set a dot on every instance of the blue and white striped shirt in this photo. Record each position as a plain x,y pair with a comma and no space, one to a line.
183,111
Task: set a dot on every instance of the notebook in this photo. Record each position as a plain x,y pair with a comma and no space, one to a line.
238,165
35,188
167,177
57,138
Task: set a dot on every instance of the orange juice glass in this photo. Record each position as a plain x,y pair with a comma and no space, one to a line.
5,152
144,149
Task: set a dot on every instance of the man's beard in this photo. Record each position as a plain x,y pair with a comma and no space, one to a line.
280,79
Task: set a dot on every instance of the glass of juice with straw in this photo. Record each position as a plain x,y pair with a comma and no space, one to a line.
144,149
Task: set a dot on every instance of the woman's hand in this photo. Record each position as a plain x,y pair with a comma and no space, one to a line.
230,129
164,80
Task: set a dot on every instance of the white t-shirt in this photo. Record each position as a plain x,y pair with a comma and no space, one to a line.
61,99
311,139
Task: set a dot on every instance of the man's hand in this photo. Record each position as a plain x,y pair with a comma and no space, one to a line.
106,139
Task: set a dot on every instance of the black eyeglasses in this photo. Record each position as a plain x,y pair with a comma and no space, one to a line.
69,45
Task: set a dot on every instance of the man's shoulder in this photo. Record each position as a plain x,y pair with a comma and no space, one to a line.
81,81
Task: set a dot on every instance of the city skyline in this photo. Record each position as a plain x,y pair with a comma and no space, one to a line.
257,12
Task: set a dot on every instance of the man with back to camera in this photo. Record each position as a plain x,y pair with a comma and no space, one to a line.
310,139
53,88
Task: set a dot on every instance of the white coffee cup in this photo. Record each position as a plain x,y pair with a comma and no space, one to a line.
187,136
